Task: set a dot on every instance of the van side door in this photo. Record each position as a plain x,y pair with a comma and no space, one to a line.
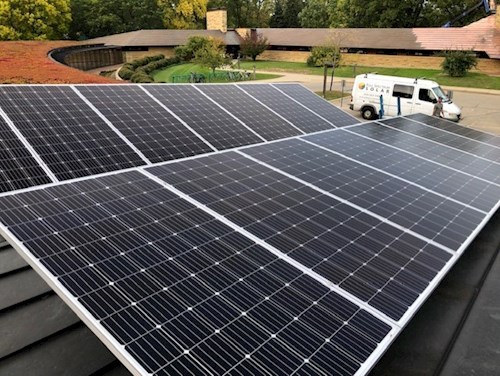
405,93
425,101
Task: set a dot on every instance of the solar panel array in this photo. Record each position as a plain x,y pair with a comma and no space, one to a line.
67,132
299,256
71,138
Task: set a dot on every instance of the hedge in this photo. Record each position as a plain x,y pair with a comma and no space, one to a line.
138,71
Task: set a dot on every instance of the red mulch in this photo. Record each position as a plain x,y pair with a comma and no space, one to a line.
27,62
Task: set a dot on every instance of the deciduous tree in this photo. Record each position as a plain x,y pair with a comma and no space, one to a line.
315,14
34,19
95,18
401,13
253,45
212,54
183,14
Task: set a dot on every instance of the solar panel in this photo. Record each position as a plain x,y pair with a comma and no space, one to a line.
456,129
428,214
378,263
18,167
458,142
215,125
152,129
174,291
449,182
301,117
317,104
447,156
68,135
259,118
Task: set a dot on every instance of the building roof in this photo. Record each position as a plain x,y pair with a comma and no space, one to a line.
481,36
163,38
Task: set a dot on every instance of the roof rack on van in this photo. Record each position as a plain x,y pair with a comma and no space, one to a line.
419,78
366,74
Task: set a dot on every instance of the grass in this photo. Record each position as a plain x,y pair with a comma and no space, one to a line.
166,75
473,79
334,94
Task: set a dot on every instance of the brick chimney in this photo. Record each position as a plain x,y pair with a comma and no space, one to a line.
217,19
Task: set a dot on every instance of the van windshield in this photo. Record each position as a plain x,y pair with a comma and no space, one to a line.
440,93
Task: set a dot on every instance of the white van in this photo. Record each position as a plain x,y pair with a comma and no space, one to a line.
416,95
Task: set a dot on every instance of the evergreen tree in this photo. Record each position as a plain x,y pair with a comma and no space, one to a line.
278,18
291,14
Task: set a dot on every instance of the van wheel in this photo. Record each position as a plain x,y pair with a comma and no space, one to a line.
368,113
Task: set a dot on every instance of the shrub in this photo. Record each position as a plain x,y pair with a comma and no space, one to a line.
126,72
146,60
159,64
324,54
458,63
138,71
141,77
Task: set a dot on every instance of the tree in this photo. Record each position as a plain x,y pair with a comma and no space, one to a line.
376,13
439,12
245,13
315,14
399,13
195,43
278,17
183,14
458,63
212,54
34,19
253,45
291,14
329,52
95,18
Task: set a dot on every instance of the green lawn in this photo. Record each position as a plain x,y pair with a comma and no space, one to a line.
473,79
334,94
166,75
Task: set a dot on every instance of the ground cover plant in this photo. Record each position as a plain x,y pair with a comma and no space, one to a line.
26,62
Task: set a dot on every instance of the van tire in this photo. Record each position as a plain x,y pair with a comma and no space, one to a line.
368,113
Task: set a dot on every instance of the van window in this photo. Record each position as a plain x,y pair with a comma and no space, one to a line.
402,91
440,93
426,95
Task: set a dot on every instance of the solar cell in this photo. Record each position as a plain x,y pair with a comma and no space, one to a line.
465,144
301,117
173,291
457,129
449,182
68,135
215,125
18,167
442,154
317,104
372,260
259,118
412,207
149,127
